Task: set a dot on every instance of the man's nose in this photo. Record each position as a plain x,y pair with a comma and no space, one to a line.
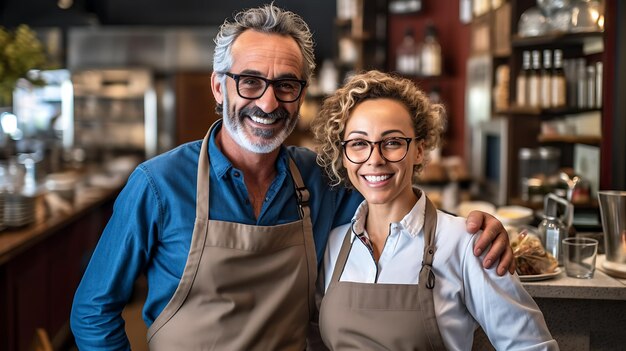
268,102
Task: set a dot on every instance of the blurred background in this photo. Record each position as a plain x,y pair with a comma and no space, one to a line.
533,91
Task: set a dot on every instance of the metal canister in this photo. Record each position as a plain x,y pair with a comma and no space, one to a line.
550,160
529,167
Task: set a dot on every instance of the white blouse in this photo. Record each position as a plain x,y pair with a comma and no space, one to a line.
465,295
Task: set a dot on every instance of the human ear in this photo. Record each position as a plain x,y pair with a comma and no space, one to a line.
419,154
217,88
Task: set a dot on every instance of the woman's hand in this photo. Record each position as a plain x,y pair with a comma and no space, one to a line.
495,235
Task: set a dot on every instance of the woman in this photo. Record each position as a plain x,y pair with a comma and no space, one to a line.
400,276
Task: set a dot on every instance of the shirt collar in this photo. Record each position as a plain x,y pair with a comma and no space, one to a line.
410,225
220,164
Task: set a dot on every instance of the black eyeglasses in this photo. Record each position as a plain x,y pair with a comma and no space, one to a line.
253,87
392,149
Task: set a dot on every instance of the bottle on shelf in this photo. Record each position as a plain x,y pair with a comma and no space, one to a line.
546,80
346,9
558,85
534,80
329,77
407,54
431,61
581,83
434,95
348,51
591,86
569,66
522,81
599,72
501,89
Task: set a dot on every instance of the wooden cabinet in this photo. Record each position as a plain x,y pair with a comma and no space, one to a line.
38,279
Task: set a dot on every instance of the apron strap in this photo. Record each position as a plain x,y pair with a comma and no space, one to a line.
342,258
202,193
302,196
427,279
430,228
302,193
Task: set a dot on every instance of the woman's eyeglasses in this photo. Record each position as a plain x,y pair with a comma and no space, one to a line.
392,149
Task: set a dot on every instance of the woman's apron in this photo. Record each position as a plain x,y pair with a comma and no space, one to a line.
362,316
244,287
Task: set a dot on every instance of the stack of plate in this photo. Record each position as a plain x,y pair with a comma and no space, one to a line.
19,210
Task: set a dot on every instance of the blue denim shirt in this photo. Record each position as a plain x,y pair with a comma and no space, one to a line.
152,224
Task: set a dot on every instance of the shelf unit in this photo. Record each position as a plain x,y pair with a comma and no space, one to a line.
573,45
361,37
115,113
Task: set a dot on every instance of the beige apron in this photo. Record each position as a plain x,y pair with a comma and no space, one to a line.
363,316
244,287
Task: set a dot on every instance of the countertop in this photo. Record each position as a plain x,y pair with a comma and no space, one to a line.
16,240
600,287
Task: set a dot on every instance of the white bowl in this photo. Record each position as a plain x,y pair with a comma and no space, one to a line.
514,215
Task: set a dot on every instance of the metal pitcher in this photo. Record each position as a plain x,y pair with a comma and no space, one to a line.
554,228
613,214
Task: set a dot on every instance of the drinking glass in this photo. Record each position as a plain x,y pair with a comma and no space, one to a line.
579,257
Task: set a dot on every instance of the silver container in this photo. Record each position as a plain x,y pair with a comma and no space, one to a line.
613,214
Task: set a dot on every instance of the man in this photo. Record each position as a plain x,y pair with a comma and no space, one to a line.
229,231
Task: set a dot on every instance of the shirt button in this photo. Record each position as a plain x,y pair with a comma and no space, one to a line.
236,174
267,199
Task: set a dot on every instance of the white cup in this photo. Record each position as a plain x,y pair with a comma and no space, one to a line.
579,257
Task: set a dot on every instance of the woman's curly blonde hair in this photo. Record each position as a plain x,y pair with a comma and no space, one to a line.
329,125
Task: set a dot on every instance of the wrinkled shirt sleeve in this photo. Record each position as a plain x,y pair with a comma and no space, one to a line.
117,260
507,313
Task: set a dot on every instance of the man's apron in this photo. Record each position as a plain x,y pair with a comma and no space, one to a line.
244,287
362,316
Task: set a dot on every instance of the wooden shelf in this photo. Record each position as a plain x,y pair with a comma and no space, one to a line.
416,77
591,204
556,38
364,36
343,22
570,139
549,112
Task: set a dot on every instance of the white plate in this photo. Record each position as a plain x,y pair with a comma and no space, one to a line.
613,269
537,277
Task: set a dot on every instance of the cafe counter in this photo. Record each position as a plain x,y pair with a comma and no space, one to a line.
42,263
582,314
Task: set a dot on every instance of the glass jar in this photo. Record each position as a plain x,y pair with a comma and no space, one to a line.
550,160
532,23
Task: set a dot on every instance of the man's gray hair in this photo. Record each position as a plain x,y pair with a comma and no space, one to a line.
265,19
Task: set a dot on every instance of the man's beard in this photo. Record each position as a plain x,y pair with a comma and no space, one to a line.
267,140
